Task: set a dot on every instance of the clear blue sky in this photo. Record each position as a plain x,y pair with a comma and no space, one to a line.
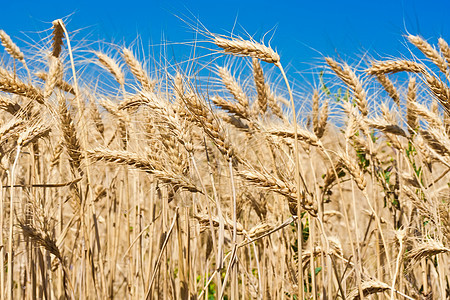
303,30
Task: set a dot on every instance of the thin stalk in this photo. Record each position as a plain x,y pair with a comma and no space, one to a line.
11,225
234,282
297,181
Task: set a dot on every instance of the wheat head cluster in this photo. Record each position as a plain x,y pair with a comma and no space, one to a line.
122,178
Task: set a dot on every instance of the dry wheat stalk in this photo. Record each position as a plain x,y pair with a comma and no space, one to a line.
43,235
122,116
323,120
389,87
269,182
395,66
43,238
112,66
10,84
57,37
429,52
10,46
232,120
137,70
238,46
352,81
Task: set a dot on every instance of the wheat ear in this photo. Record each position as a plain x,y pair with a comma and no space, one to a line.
137,70
55,74
261,90
445,49
57,38
429,52
440,90
71,141
11,47
352,81
240,47
233,86
395,66
389,87
411,116
112,66
10,84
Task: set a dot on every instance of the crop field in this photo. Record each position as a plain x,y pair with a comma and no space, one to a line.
129,176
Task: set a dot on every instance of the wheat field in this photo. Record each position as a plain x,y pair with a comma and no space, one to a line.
127,179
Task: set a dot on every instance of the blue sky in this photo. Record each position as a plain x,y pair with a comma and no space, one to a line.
301,31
